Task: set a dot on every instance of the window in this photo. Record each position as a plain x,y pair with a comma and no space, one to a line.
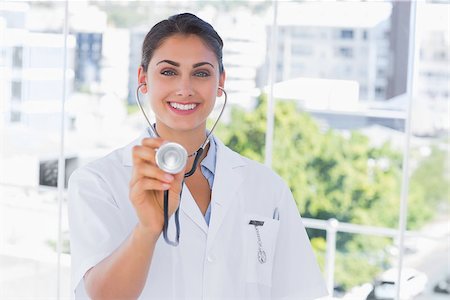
16,90
440,56
346,34
2,56
344,52
365,34
301,50
15,116
17,60
379,92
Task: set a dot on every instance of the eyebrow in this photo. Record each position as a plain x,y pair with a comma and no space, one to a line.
171,62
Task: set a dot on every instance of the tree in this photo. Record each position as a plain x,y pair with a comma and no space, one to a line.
329,173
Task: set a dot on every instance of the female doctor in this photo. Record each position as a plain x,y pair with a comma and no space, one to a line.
241,236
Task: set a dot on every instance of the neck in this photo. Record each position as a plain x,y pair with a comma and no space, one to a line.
191,139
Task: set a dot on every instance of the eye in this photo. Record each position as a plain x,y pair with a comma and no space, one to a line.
168,73
201,74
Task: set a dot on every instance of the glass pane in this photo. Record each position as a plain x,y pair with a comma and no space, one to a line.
427,252
31,68
338,144
339,132
363,56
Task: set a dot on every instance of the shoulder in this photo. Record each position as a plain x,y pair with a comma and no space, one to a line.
99,168
261,171
108,169
252,170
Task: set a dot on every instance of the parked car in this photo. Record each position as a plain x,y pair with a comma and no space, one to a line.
443,286
412,283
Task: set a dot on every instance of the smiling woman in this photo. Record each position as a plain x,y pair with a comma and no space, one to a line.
241,234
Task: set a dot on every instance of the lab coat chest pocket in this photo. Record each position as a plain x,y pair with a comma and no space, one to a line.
260,236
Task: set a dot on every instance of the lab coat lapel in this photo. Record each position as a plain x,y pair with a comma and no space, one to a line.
191,209
227,179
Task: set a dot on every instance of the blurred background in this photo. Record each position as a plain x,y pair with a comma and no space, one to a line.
348,101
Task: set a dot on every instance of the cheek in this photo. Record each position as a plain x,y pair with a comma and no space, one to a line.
154,98
156,90
210,92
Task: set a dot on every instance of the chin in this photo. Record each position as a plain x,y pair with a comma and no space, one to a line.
185,126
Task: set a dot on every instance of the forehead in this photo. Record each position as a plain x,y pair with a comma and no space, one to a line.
188,49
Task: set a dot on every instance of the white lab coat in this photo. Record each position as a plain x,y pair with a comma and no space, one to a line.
215,262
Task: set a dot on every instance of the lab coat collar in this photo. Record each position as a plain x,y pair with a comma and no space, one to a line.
227,179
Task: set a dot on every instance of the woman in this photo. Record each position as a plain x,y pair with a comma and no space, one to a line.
241,235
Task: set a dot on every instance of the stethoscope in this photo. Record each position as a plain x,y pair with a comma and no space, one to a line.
172,158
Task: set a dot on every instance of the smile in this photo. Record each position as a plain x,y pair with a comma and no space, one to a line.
180,106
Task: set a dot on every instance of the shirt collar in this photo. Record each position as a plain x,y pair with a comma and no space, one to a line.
209,161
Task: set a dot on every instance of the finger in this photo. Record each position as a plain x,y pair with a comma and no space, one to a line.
152,142
147,148
146,170
152,171
143,154
149,184
179,176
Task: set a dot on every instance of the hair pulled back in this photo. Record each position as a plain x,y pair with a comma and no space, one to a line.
184,24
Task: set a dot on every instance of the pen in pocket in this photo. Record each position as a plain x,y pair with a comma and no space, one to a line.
276,214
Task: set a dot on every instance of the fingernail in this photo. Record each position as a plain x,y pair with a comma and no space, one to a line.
168,177
166,186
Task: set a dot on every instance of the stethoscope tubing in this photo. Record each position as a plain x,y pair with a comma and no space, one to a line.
197,154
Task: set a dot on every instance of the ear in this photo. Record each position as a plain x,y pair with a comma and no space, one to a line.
221,84
142,78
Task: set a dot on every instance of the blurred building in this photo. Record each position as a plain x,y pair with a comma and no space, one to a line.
335,40
398,38
335,104
137,36
317,40
431,108
244,52
88,58
31,65
101,61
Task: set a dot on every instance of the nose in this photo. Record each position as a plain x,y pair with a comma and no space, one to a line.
185,87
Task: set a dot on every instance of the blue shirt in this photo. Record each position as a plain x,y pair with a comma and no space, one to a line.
208,167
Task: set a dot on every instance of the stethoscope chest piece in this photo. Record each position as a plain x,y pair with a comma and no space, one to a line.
171,158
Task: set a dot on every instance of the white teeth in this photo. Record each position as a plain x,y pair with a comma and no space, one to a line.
183,106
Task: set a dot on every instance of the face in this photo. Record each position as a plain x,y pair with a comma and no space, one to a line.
183,81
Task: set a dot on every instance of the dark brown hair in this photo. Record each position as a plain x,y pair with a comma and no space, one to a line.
185,24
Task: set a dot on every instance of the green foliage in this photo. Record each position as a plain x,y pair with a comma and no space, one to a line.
429,187
328,172
319,244
132,109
